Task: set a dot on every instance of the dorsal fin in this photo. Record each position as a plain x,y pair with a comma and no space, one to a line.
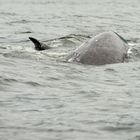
38,45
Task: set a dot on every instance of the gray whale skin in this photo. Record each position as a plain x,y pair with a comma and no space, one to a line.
105,48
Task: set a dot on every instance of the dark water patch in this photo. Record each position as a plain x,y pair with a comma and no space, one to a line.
74,84
10,80
34,84
114,82
29,98
129,93
7,81
116,129
110,70
6,103
30,110
45,2
7,14
121,126
23,99
90,95
2,40
136,138
24,32
1,37
53,78
50,130
23,21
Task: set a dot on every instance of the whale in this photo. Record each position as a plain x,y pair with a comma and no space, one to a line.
105,48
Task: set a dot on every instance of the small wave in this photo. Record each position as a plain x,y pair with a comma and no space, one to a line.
7,14
7,81
31,83
20,21
110,70
112,129
121,127
12,47
70,36
24,55
52,130
24,32
133,40
10,80
1,37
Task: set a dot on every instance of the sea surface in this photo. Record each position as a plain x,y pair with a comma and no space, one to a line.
42,97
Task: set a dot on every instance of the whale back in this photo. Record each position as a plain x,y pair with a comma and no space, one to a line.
105,48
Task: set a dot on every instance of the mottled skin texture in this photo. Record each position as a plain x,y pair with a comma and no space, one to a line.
105,48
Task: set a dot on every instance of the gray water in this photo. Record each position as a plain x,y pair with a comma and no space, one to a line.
44,98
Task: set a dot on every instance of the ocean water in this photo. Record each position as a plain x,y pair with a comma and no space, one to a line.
44,98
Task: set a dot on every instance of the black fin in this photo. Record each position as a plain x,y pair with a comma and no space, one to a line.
36,43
